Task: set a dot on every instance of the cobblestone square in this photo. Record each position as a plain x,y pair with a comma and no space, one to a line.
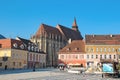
49,74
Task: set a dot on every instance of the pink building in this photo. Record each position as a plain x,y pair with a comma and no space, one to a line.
73,54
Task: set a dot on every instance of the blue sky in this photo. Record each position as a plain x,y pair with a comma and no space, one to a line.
23,17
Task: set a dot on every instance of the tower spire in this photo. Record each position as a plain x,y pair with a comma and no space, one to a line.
74,26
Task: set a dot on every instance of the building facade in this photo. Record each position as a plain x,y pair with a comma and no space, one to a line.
99,47
15,54
35,57
50,40
73,54
12,54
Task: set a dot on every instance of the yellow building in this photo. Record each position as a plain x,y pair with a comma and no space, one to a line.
102,47
13,54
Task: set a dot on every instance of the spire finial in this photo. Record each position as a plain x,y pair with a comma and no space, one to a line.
74,26
74,23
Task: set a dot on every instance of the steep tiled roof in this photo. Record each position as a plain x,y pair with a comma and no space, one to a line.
69,33
2,37
102,39
74,46
46,29
11,43
25,41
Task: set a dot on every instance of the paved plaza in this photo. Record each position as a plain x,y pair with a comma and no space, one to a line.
48,74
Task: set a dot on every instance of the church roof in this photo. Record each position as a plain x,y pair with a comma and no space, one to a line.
69,33
46,29
74,46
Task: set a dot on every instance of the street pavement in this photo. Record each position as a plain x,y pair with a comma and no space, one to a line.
48,74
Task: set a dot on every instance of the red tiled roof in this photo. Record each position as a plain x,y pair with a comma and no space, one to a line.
69,33
102,39
46,29
9,43
74,46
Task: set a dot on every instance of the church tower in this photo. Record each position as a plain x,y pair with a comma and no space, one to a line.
74,26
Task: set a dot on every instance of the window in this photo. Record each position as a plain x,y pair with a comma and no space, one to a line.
113,50
76,49
92,50
87,56
62,57
105,50
104,56
110,56
100,49
118,49
114,56
96,49
69,56
68,49
109,49
96,56
100,56
87,49
76,57
92,56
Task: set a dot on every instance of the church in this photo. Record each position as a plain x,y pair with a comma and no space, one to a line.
51,39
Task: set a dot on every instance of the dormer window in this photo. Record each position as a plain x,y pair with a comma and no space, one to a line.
15,45
76,48
68,49
22,46
29,48
32,48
